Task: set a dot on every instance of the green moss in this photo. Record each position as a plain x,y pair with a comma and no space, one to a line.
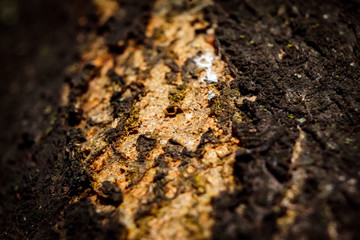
54,117
220,104
194,226
315,26
198,183
175,97
132,122
216,107
250,43
238,117
298,75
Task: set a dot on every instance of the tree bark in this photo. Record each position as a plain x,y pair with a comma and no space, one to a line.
195,120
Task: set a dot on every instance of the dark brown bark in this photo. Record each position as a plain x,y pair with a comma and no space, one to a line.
296,167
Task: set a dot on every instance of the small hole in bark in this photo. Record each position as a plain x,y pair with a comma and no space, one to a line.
171,111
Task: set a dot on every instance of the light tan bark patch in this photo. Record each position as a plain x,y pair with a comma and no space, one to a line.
184,210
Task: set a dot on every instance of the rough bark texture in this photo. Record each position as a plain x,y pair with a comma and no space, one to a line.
182,120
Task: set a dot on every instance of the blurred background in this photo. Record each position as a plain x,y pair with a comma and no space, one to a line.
38,40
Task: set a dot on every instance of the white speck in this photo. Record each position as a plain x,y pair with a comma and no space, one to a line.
352,181
301,120
210,76
298,75
211,95
205,61
342,178
329,187
352,189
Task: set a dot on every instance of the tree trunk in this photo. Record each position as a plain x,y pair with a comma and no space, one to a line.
192,120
